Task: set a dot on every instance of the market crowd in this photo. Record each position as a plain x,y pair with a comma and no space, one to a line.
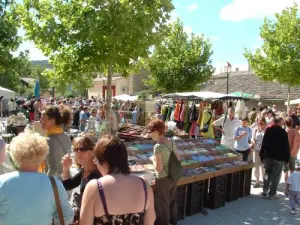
271,138
109,193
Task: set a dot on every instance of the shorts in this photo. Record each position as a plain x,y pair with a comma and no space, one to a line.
290,165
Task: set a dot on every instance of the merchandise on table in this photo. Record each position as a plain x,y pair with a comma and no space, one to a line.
132,129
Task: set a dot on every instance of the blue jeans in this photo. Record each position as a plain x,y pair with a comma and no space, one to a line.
272,175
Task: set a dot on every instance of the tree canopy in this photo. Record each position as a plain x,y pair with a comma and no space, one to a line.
10,66
86,36
278,59
180,63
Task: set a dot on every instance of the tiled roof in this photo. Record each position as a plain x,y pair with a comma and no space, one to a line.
248,82
28,80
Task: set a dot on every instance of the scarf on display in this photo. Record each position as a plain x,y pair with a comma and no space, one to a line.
53,130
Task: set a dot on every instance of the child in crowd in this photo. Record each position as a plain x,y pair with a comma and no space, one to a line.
242,138
293,189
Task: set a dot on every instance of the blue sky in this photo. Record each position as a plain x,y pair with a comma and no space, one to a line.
231,26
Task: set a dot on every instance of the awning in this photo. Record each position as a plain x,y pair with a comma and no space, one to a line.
202,95
294,102
126,97
8,94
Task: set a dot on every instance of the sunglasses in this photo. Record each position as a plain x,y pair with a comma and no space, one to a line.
82,149
260,123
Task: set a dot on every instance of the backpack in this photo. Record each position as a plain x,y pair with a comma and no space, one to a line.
175,168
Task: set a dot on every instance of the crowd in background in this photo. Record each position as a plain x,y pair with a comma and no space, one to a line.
82,109
272,139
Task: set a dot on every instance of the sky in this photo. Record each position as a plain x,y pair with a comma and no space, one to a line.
230,25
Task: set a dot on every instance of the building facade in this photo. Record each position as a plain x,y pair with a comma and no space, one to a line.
120,85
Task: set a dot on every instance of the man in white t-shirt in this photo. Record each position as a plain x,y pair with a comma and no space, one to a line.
228,124
293,188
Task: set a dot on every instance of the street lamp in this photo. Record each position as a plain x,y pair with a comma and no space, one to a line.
227,69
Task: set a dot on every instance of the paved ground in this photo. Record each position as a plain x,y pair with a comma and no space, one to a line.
252,210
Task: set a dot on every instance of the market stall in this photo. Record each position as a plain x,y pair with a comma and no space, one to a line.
6,93
194,112
213,174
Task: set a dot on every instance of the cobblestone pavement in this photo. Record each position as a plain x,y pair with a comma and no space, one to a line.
252,210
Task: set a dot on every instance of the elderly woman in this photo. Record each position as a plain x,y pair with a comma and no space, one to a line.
26,196
118,197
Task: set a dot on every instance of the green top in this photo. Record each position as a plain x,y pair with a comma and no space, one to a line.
165,151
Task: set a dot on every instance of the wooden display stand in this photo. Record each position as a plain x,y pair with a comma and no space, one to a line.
210,189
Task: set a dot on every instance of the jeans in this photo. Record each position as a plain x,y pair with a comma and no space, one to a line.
273,171
294,197
165,201
245,154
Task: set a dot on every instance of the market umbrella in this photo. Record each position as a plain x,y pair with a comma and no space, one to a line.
37,88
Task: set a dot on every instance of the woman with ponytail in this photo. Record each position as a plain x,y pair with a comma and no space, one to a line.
54,120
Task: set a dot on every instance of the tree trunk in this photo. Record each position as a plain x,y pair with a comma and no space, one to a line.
108,99
289,95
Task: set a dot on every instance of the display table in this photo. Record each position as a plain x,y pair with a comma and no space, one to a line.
213,174
15,129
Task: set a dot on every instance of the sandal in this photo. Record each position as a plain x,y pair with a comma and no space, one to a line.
256,185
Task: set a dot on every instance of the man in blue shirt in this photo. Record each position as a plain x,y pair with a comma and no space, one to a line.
242,138
83,118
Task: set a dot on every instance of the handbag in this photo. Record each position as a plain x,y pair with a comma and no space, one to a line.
57,203
206,125
175,167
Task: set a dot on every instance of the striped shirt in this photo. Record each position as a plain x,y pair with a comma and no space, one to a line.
294,181
165,151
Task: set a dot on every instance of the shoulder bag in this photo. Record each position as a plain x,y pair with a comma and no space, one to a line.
175,168
57,203
206,125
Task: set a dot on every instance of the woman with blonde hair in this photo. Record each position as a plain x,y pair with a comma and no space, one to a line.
26,196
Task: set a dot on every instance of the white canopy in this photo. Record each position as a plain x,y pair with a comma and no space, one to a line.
204,95
294,102
7,93
126,97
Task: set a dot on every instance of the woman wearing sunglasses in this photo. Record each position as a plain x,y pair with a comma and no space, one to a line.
83,147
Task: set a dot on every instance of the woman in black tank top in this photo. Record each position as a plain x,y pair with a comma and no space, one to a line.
116,198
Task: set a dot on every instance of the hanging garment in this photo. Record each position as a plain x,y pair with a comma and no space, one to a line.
207,119
165,114
193,114
170,110
180,111
194,128
181,119
177,111
201,110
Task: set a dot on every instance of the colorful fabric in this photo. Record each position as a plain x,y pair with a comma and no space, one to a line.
177,111
170,110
